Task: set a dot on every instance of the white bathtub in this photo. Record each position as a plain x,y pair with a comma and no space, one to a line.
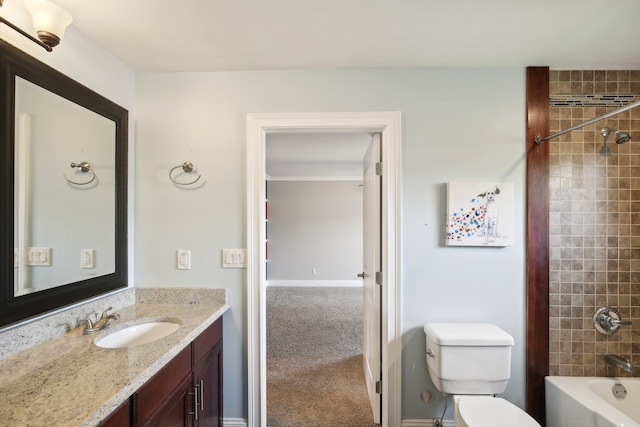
590,402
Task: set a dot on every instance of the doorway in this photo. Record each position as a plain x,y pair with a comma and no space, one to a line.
315,301
258,126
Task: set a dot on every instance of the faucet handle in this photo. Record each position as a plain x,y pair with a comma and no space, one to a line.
607,320
104,313
618,322
89,326
87,322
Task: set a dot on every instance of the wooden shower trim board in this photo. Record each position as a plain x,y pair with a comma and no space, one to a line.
537,241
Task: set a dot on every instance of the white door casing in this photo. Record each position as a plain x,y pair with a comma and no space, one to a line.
389,125
371,291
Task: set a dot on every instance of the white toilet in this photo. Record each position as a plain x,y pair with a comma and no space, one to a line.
472,362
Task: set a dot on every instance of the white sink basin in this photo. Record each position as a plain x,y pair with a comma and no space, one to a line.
138,334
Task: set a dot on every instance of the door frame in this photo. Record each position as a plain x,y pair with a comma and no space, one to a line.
258,126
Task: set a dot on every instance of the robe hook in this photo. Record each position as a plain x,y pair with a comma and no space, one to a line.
84,167
187,167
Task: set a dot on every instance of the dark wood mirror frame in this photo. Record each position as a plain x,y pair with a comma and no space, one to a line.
14,62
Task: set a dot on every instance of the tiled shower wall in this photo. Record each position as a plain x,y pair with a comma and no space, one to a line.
594,221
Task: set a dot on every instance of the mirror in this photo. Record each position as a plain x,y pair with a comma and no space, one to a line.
64,190
49,198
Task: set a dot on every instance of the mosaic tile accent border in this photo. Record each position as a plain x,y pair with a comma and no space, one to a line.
618,100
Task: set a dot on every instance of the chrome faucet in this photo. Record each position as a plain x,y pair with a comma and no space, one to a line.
619,362
92,326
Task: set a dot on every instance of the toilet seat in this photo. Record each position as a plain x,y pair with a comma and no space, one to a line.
489,411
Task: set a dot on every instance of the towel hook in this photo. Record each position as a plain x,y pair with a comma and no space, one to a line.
187,167
84,167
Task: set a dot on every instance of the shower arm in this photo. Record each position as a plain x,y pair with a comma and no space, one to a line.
540,140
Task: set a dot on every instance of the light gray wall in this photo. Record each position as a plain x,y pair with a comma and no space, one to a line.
314,224
458,124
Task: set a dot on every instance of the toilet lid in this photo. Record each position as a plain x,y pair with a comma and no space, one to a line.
488,411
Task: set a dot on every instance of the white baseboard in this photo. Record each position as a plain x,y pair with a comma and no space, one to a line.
234,422
316,283
426,423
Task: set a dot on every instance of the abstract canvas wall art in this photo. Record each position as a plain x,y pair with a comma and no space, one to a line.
479,214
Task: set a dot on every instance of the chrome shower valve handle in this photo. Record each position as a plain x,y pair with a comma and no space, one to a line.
607,320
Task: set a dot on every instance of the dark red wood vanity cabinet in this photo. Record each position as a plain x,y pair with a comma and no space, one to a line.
120,417
188,390
164,399
207,377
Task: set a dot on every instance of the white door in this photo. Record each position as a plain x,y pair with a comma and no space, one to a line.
372,292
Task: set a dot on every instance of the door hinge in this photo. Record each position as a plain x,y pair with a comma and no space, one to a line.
379,387
378,277
379,168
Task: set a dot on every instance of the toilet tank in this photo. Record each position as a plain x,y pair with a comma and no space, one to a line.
468,358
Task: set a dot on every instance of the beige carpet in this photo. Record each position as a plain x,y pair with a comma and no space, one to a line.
314,358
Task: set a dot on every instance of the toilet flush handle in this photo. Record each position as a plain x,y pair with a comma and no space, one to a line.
430,353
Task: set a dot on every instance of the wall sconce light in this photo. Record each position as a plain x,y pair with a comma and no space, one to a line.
49,20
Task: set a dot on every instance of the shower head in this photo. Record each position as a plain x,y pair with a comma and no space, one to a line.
622,137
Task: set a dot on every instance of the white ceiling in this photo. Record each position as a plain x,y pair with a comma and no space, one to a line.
209,35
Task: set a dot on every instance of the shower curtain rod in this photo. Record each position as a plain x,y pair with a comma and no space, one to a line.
540,140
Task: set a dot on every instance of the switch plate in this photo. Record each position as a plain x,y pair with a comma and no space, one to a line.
87,258
38,256
234,258
184,259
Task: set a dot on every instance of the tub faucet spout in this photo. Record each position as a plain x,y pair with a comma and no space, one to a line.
620,362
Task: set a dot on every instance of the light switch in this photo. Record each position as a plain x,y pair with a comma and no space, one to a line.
184,259
234,258
87,257
38,256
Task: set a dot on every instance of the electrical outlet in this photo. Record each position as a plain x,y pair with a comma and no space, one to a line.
87,257
184,259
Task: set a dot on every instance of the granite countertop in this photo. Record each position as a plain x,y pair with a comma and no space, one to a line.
69,381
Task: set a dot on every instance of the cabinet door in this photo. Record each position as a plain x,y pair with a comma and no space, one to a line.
207,380
174,412
121,417
166,394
